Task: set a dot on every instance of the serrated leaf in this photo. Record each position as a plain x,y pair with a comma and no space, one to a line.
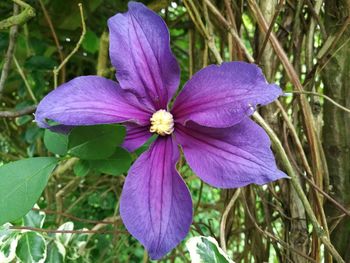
56,142
22,183
31,248
118,163
206,249
95,142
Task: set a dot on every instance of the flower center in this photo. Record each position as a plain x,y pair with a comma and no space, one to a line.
162,122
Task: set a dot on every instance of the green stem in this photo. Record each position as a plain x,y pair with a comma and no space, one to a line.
26,83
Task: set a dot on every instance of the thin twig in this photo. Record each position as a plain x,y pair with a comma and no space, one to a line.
274,238
294,180
224,218
56,70
74,218
18,113
267,35
199,198
339,206
26,83
55,38
232,31
323,96
210,34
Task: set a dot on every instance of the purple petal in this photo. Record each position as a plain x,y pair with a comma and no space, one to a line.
221,96
229,157
156,206
90,100
136,136
140,51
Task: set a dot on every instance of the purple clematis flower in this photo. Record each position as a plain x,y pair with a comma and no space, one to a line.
209,119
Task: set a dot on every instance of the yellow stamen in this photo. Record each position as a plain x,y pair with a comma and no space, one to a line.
162,123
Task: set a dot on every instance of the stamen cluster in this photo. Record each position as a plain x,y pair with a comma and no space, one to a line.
162,123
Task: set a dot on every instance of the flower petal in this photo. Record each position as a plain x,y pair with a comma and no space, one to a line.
221,96
229,157
140,51
156,206
136,136
90,100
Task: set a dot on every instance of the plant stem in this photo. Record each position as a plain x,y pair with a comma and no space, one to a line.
64,62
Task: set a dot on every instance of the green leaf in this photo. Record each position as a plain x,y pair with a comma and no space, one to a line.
55,142
31,248
55,253
40,63
91,42
34,218
32,133
64,238
81,168
22,183
118,163
105,201
206,249
8,243
95,142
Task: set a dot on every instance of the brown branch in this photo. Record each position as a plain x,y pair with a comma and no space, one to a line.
74,218
277,145
335,202
19,113
323,96
224,218
267,35
36,229
230,28
272,237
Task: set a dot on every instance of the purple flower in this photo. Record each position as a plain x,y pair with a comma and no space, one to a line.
209,120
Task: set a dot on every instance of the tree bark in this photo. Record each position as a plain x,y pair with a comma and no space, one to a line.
336,139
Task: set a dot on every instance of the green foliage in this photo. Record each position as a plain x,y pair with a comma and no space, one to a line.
31,248
92,166
34,218
95,142
22,183
81,168
8,244
118,163
55,142
91,42
205,250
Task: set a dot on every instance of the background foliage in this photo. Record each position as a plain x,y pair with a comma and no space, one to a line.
301,45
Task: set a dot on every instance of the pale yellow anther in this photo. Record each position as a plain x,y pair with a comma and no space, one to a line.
162,123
